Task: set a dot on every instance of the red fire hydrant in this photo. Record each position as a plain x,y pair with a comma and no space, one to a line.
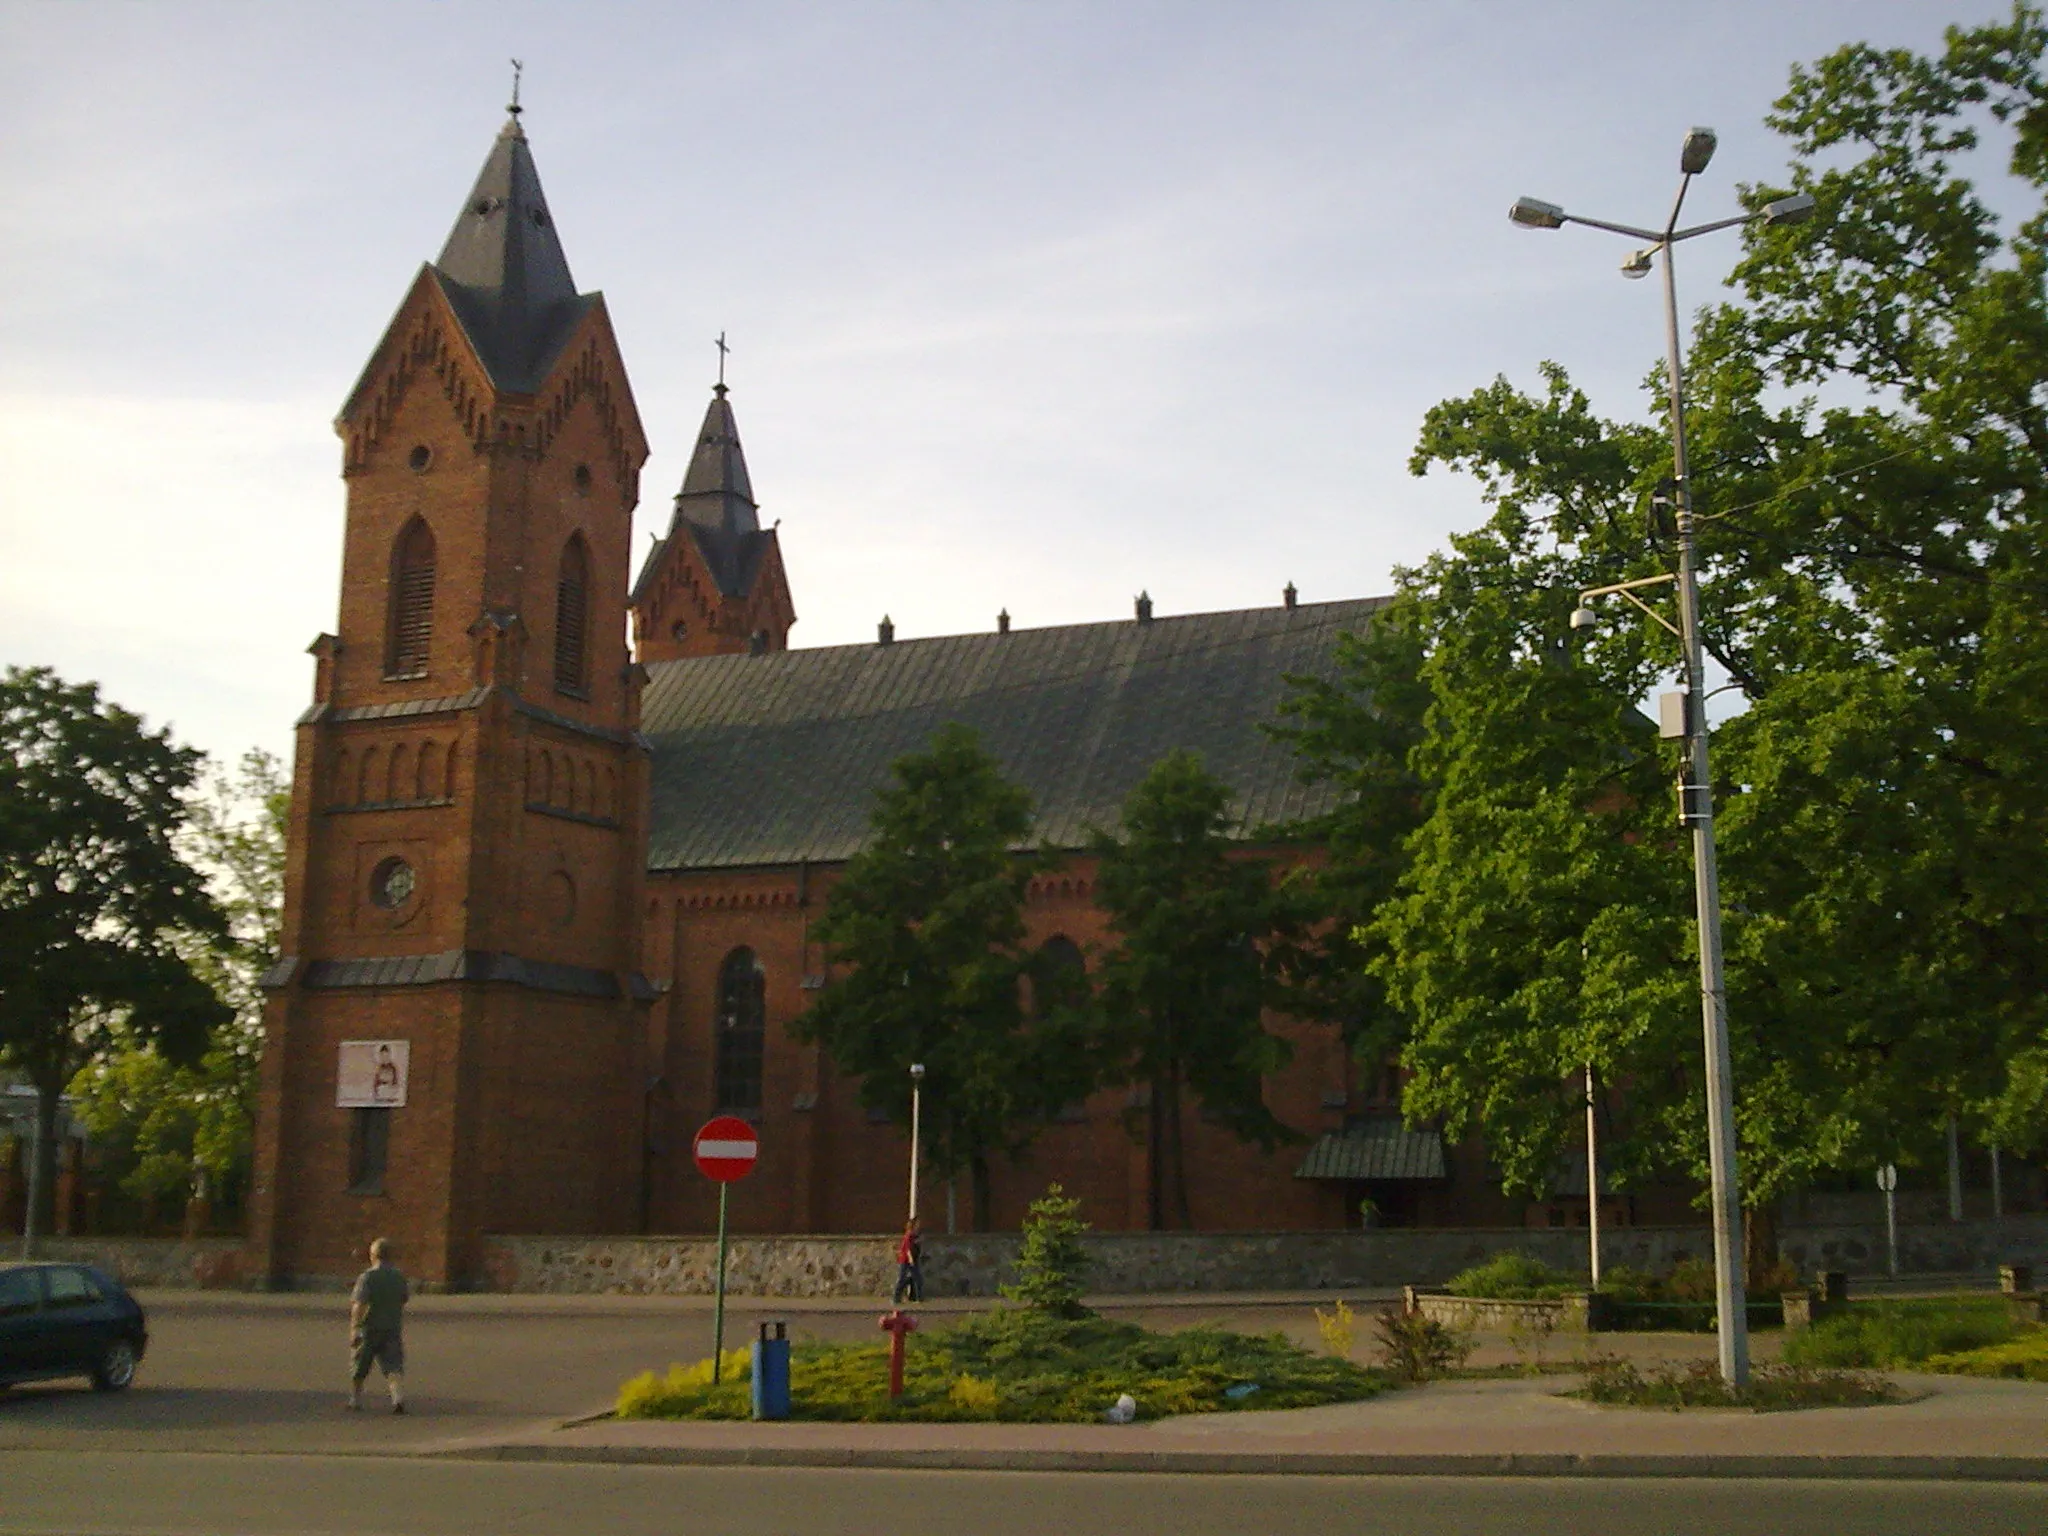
896,1324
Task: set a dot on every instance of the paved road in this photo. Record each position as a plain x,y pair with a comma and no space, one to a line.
233,1372
126,1494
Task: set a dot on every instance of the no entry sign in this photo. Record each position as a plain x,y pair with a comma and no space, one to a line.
725,1149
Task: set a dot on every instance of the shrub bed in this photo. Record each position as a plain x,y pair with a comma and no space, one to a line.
1771,1388
1020,1365
2022,1358
1893,1335
1514,1276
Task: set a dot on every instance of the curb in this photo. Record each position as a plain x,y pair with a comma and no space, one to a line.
2007,1469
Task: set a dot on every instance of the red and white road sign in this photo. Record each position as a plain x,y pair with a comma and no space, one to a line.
725,1149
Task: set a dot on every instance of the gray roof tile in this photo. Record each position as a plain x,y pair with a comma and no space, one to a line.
776,759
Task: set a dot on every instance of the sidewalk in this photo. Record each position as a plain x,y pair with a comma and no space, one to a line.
1956,1428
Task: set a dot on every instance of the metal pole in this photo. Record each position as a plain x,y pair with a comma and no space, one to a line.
1955,1171
1997,1187
718,1307
35,1182
1592,1179
1891,1221
916,1095
1732,1320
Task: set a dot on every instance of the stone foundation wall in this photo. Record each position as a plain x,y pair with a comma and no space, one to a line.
143,1262
1939,1247
1138,1263
1565,1314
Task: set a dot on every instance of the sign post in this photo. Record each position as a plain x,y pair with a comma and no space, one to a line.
1888,1181
725,1150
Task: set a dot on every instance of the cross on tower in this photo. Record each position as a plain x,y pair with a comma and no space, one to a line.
722,350
517,69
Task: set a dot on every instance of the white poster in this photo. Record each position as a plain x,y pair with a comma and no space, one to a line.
373,1074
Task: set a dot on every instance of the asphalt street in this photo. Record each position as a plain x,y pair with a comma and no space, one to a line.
235,1372
127,1494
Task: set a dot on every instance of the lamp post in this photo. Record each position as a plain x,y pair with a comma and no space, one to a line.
1696,788
916,1097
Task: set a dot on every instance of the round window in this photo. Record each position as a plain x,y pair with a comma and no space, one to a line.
583,479
420,458
391,884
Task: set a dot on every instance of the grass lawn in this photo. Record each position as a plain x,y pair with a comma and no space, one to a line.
1016,1365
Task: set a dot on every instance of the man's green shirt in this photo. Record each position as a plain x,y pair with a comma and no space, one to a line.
382,1292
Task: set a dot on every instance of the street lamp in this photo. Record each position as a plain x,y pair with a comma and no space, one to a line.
1696,789
916,1096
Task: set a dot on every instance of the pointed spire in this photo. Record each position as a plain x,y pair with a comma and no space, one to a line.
503,264
716,492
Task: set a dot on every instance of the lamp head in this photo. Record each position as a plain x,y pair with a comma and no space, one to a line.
1698,150
1534,213
1584,617
1638,262
917,1071
1796,209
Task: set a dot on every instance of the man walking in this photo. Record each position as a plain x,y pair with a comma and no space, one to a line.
376,1317
910,1264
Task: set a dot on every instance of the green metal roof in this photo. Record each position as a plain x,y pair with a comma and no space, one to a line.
775,759
1377,1149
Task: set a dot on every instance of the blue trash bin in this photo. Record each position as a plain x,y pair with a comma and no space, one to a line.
771,1372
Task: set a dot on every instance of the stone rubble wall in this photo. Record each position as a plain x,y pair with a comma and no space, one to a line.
150,1262
1125,1263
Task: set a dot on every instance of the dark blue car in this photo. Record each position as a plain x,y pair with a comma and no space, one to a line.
68,1320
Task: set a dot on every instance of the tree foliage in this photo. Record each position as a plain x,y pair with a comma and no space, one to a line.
1870,444
1184,991
926,928
165,1128
96,895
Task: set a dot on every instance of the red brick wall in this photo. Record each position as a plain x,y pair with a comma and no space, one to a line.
527,836
828,1169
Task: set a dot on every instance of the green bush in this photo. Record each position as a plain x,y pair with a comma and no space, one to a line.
1889,1335
1514,1276
1415,1348
1051,1262
2022,1358
1025,1365
1616,1382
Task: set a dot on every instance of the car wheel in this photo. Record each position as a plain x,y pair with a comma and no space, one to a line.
115,1368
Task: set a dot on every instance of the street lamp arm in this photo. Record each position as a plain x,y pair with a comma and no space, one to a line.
1617,229
1708,229
1627,586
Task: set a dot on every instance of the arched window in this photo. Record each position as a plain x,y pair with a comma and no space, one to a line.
572,617
412,602
1059,975
742,1031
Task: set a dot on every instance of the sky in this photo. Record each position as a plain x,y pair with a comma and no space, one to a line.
1032,305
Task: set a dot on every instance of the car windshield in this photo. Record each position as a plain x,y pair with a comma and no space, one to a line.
72,1288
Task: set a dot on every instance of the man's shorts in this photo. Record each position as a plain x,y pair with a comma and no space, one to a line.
385,1350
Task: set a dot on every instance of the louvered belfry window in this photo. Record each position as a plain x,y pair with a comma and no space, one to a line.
572,617
412,602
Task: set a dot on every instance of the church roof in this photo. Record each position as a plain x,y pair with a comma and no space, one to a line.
716,506
504,271
775,759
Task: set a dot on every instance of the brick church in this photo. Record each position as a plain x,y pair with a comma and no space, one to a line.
549,903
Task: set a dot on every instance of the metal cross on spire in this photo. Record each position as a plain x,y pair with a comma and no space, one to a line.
722,350
517,69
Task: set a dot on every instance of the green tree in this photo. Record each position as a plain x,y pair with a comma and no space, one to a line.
1052,1265
1184,992
95,895
171,1130
927,929
1870,450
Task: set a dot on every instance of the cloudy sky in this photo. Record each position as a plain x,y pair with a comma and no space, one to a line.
1033,305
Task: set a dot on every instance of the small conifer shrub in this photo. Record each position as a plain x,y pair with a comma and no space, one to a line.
1051,1263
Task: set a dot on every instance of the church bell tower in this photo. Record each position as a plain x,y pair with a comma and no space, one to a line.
454,1037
